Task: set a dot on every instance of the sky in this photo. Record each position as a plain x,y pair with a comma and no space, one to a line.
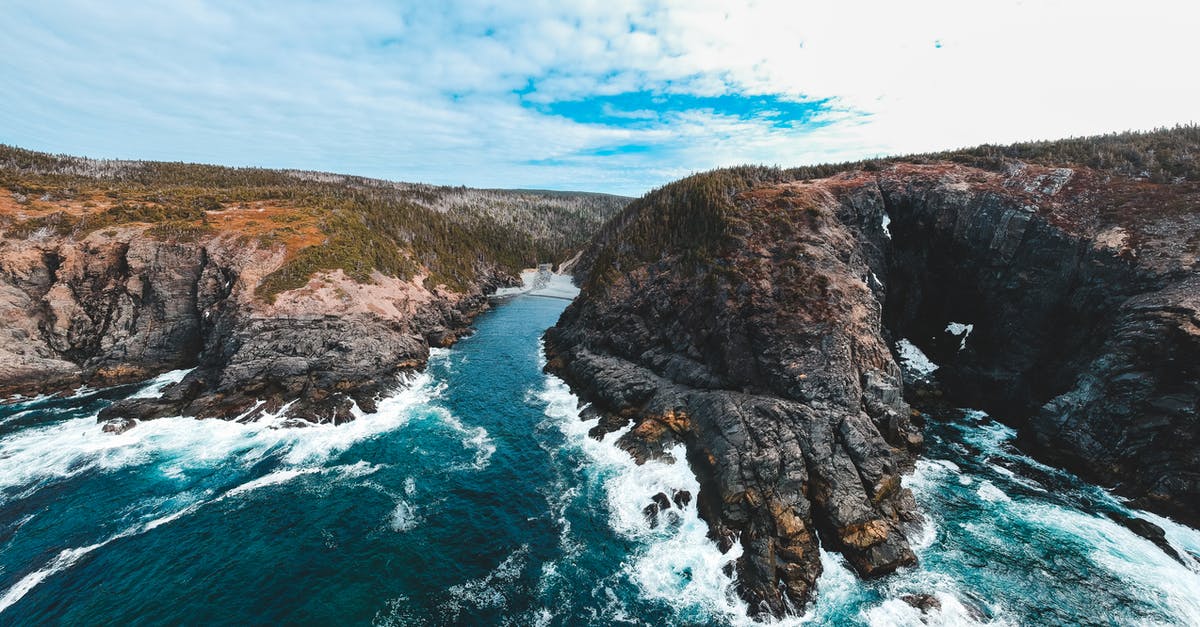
617,96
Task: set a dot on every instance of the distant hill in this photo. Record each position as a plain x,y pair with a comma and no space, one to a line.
1165,155
326,221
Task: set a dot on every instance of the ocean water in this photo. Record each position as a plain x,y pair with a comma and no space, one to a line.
474,496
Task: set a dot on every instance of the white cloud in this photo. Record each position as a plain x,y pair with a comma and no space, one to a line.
425,91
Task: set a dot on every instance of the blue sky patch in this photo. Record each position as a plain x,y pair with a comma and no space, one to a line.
647,108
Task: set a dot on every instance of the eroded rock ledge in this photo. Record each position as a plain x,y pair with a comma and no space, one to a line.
760,340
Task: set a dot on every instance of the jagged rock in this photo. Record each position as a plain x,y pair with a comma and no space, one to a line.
1084,296
682,498
1149,531
924,602
650,513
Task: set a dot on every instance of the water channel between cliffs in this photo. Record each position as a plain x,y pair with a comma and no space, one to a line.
474,496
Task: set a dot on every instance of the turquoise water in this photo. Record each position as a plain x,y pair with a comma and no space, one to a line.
474,497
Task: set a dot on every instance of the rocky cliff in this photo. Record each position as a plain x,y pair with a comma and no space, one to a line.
1082,291
120,308
760,349
278,289
748,314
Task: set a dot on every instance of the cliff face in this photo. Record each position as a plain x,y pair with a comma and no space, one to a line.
116,309
1083,291
762,342
768,363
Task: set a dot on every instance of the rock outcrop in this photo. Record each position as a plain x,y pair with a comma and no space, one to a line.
769,365
748,315
119,308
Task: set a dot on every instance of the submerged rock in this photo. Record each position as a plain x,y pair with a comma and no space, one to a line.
1149,531
925,602
117,426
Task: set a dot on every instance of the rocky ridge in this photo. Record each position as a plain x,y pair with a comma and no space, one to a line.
760,339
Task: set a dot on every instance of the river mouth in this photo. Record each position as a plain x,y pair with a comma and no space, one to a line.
475,496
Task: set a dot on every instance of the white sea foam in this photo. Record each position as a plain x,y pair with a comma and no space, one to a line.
913,359
1130,557
399,612
154,388
897,613
403,516
1002,470
959,329
942,586
173,516
179,445
926,479
64,560
837,589
675,562
1172,586
16,416
20,400
990,493
487,592
475,438
1184,539
67,558
270,479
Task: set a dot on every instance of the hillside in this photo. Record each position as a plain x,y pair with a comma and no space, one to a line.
293,289
324,221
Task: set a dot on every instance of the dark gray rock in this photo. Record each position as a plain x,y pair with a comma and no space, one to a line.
925,602
773,374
